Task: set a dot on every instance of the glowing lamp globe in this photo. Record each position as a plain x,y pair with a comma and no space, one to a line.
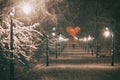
26,8
107,33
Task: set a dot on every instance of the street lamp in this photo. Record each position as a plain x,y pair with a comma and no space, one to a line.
26,8
47,51
56,44
89,39
108,33
53,34
85,40
60,40
11,14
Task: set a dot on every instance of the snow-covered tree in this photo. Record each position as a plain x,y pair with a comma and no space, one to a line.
26,38
28,30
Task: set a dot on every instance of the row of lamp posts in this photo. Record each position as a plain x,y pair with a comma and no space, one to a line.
107,33
58,45
87,41
26,10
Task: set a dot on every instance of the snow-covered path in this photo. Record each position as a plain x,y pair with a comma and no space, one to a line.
75,64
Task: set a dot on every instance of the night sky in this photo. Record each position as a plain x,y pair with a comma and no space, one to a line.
82,13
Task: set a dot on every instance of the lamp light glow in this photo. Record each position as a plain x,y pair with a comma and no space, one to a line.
53,34
89,38
27,8
107,33
85,39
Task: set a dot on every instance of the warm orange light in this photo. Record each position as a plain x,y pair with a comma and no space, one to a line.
73,31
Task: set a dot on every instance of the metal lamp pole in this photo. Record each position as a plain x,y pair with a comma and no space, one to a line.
87,45
112,52
108,33
56,49
11,48
47,51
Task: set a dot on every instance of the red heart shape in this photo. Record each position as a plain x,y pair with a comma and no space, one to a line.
73,31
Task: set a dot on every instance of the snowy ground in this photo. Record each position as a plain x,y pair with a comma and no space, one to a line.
74,64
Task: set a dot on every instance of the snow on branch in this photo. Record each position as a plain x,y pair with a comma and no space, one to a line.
25,37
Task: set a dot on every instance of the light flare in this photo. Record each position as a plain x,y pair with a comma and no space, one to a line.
27,8
107,33
38,11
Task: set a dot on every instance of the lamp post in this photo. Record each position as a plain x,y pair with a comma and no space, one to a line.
47,51
55,36
108,33
85,40
89,39
56,50
11,14
112,52
60,40
11,45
